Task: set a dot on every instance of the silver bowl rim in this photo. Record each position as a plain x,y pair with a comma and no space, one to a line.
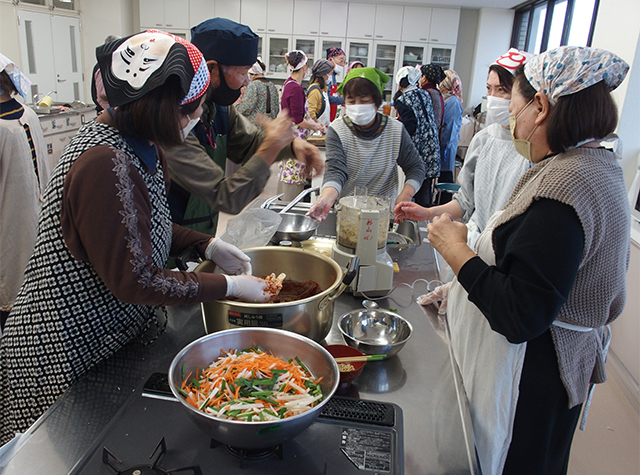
375,310
321,295
194,343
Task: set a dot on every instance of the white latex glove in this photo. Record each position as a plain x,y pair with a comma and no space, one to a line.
247,288
440,294
230,259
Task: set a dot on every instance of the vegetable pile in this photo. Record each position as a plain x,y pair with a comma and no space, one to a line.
251,385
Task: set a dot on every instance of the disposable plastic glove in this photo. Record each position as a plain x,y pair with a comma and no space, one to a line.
439,294
230,259
247,288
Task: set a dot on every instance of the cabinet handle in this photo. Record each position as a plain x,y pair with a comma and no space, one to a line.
260,29
368,36
159,24
270,29
62,80
324,32
379,36
434,39
423,39
313,32
169,24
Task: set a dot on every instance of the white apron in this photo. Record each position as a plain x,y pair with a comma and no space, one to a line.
325,118
490,368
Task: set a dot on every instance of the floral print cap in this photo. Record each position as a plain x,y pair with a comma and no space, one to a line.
569,69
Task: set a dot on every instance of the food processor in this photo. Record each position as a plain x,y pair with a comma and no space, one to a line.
362,227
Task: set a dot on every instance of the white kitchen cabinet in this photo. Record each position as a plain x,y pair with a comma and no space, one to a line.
388,24
444,26
361,20
200,10
309,45
254,14
333,19
228,9
280,17
330,43
164,14
277,47
386,60
416,24
442,55
306,18
359,50
413,54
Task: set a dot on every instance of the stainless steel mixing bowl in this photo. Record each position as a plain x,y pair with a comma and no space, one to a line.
255,435
375,331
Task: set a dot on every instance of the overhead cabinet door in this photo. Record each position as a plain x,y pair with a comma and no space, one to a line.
306,18
280,17
444,26
254,14
333,19
416,24
388,22
361,21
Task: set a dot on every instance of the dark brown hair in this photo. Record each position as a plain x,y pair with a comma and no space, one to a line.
505,77
589,113
360,87
294,58
155,116
6,84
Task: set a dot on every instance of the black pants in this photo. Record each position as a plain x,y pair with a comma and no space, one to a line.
544,425
424,196
445,197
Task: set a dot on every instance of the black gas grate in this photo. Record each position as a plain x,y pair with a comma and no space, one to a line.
357,410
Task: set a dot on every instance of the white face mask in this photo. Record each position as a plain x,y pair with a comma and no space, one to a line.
361,114
497,110
186,129
338,69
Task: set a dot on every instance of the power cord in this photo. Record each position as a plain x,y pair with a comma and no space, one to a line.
429,283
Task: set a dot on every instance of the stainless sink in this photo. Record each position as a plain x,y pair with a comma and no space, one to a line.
410,230
407,232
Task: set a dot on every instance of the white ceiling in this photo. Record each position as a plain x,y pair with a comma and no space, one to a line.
450,3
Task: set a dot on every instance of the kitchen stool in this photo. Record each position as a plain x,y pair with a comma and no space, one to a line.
444,188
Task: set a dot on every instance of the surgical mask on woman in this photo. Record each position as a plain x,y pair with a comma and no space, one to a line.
361,114
338,69
497,110
523,146
187,128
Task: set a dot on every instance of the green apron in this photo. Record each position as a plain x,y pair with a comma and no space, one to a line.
199,215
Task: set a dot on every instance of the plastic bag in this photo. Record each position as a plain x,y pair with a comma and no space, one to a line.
253,227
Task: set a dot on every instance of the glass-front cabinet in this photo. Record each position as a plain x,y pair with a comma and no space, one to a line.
386,60
442,55
309,46
359,50
413,55
276,62
330,43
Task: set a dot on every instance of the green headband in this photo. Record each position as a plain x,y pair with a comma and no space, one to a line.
374,75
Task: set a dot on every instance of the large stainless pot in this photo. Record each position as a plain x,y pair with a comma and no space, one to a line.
254,435
311,317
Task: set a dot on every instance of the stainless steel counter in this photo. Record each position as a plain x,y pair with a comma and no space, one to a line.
421,380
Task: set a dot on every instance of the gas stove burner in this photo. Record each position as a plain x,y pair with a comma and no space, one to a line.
255,454
151,469
250,454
